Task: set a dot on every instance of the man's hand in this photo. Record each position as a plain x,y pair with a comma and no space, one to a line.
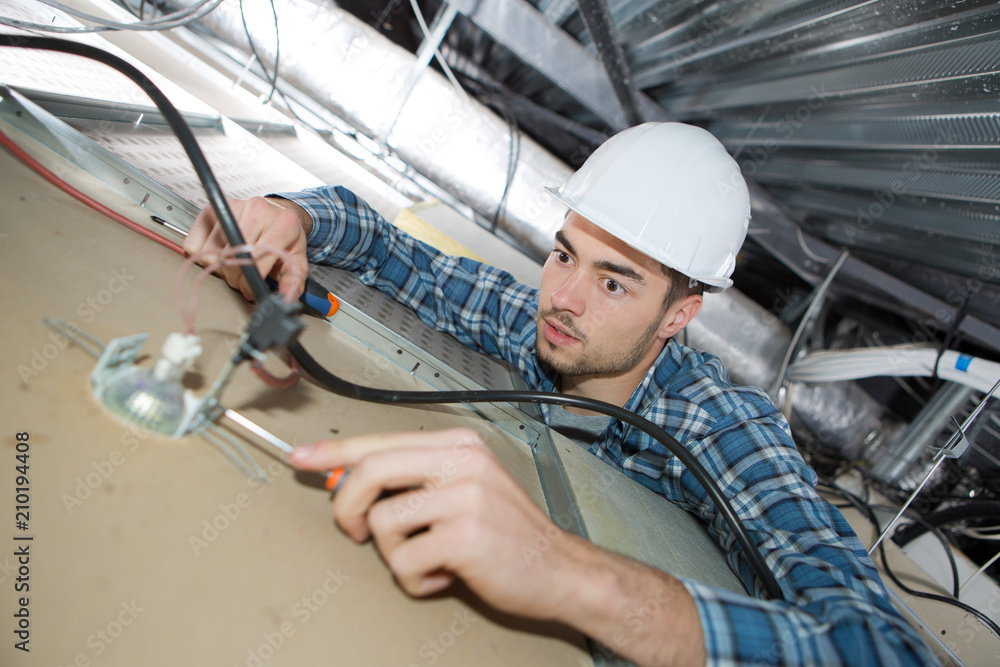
453,511
266,223
439,506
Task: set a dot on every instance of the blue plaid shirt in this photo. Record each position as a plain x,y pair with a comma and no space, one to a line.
836,610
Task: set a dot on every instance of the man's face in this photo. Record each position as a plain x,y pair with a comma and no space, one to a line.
600,308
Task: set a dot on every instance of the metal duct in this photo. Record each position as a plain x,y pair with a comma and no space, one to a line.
843,420
409,109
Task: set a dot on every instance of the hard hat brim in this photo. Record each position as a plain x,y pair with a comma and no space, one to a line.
713,284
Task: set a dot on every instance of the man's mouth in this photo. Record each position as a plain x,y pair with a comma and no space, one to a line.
557,333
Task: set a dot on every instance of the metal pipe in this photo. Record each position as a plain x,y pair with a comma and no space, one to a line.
897,458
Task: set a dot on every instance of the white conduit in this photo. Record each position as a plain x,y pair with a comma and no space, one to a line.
895,361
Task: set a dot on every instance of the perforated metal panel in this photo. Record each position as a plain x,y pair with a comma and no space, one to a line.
371,308
235,157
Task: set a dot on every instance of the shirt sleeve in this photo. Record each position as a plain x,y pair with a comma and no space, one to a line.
481,306
836,609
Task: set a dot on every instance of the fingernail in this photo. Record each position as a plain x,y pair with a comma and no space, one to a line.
303,451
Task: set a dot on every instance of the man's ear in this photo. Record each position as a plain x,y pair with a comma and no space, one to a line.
679,314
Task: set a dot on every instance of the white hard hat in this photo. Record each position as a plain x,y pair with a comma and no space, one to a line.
672,192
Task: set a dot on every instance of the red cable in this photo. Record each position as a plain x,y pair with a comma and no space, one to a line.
93,203
276,382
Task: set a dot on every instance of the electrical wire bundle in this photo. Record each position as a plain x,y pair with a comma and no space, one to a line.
904,536
166,22
896,361
342,387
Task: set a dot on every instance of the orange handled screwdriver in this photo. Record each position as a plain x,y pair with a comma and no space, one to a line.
334,478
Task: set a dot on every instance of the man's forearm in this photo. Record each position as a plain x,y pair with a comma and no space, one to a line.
638,612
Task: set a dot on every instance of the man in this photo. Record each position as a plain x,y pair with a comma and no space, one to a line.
656,216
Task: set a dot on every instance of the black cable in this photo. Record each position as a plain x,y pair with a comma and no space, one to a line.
869,512
956,583
344,388
950,337
866,509
177,123
986,620
977,509
388,396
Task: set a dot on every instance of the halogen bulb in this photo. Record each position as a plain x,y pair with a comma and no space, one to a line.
137,396
153,398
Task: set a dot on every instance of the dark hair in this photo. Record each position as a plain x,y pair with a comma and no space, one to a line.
678,288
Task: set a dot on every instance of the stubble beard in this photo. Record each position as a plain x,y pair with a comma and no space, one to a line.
599,361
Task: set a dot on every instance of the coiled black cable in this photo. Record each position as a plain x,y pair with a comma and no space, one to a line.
337,385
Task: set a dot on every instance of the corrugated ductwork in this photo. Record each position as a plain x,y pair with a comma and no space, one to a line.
875,124
414,112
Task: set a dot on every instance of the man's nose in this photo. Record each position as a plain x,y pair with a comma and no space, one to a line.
570,296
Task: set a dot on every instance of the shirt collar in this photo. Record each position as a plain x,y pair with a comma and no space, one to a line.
654,383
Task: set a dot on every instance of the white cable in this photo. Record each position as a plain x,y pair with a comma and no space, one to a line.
166,22
974,533
100,20
895,361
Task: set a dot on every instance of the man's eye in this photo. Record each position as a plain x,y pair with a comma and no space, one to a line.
613,287
561,256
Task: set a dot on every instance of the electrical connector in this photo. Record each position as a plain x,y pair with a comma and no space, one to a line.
274,323
176,357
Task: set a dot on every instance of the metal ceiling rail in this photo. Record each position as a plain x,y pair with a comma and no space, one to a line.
529,34
974,224
738,33
611,55
940,178
741,42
